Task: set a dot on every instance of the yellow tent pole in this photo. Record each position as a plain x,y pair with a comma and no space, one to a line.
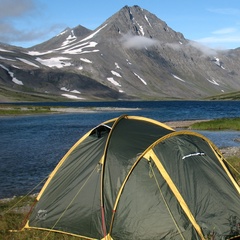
151,155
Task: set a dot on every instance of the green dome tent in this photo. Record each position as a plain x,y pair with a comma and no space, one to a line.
136,178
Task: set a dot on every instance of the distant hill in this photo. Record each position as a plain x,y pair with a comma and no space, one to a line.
132,55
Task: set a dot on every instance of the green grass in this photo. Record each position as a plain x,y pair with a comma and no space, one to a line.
235,162
13,95
218,124
226,96
22,110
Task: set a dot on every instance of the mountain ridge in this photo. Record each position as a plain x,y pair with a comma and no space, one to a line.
132,55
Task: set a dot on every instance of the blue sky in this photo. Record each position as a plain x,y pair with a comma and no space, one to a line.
214,23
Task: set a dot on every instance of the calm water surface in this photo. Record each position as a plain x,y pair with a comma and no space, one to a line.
31,146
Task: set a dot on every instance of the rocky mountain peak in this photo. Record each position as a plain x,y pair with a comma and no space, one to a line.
140,22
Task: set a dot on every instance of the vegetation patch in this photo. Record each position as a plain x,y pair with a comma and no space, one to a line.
13,95
21,110
234,162
218,124
226,96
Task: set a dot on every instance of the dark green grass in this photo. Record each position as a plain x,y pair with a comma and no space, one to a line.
218,124
21,110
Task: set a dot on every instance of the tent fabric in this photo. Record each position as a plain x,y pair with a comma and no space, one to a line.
136,178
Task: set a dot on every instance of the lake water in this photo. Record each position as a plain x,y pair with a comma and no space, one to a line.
31,146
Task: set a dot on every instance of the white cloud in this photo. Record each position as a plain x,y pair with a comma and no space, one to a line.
13,17
221,40
204,49
10,34
224,36
137,42
11,8
225,30
174,46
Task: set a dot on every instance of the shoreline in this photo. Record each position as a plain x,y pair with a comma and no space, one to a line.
13,111
29,110
183,123
89,109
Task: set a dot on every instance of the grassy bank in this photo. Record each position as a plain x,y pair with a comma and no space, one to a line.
13,214
235,162
27,95
23,110
218,124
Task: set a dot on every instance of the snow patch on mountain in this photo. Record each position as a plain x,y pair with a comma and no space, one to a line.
140,29
71,38
27,62
128,62
75,91
15,80
117,66
16,67
86,60
78,49
213,81
64,89
218,62
36,53
148,21
116,74
71,96
4,50
93,34
58,62
68,90
8,59
143,81
114,82
131,15
63,32
178,78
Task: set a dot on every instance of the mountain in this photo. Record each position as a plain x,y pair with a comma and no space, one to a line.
132,55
